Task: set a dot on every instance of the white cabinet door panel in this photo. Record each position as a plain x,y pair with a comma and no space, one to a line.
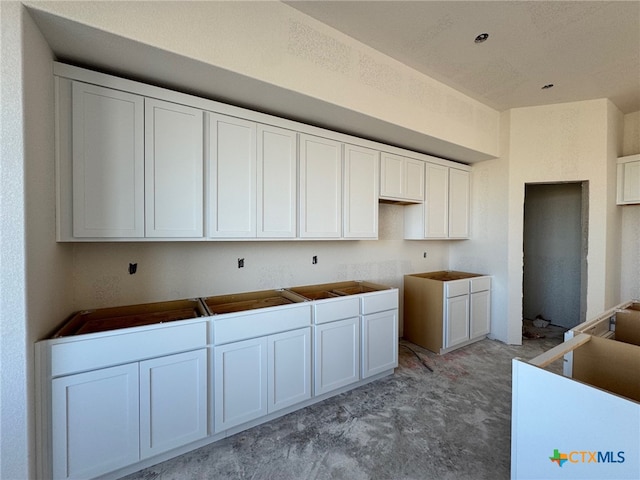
289,368
436,211
232,177
95,422
360,192
480,311
320,187
457,321
173,401
379,342
240,382
173,170
458,203
414,180
628,188
337,354
277,182
392,176
108,162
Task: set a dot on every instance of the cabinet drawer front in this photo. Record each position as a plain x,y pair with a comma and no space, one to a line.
379,301
103,351
232,328
456,288
480,284
336,309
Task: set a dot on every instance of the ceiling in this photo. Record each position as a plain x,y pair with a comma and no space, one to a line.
586,49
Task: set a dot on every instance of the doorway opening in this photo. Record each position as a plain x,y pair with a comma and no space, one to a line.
554,283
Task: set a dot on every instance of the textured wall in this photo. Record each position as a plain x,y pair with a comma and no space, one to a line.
556,143
630,248
276,44
182,270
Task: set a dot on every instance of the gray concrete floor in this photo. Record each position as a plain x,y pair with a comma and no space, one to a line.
450,423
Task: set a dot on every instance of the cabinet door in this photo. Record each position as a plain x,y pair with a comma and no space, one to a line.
414,179
240,382
392,176
456,321
336,354
95,422
360,192
107,162
232,177
480,313
173,401
436,205
629,181
277,184
173,170
289,368
458,203
379,342
320,187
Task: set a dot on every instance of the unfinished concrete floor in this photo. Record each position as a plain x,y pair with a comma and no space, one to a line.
452,423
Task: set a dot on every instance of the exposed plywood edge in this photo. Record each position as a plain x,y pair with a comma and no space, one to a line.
609,365
560,350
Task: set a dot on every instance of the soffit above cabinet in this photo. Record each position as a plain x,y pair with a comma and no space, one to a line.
79,44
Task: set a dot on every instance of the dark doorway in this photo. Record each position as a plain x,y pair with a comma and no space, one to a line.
555,252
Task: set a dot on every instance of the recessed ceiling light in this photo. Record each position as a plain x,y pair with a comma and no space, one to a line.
547,86
481,38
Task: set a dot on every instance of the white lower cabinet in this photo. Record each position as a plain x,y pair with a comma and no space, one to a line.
240,382
480,312
262,375
173,401
456,320
336,354
95,422
379,342
289,368
107,419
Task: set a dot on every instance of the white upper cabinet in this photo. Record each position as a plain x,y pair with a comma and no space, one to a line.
401,178
107,162
277,182
232,177
628,180
174,162
360,192
445,212
459,187
320,187
436,205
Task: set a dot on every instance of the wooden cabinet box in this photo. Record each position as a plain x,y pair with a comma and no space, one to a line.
600,438
445,310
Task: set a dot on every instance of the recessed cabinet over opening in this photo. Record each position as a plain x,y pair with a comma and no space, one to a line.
401,178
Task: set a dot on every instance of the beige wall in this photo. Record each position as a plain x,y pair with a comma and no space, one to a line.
277,44
630,229
557,143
